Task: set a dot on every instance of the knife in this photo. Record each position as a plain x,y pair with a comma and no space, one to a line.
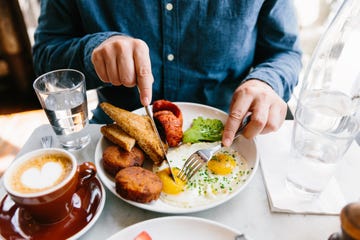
148,112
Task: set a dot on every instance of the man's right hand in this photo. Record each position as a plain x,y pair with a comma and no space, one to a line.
122,60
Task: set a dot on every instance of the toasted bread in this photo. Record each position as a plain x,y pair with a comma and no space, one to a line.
138,127
116,135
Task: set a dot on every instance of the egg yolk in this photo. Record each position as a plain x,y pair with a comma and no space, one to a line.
169,185
222,164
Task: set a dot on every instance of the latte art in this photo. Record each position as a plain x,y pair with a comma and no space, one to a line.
42,178
41,173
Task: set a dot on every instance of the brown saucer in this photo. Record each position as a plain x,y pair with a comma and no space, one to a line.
88,202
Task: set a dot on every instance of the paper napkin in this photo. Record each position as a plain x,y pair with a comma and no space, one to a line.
274,150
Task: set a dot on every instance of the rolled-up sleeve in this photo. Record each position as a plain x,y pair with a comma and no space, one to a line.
277,56
60,41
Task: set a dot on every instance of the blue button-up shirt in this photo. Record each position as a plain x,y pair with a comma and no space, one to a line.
200,50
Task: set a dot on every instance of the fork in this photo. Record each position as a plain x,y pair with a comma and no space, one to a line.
46,141
202,156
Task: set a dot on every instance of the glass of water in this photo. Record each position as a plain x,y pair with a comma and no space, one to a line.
62,94
324,128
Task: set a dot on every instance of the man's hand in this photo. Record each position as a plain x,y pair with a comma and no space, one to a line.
122,60
267,108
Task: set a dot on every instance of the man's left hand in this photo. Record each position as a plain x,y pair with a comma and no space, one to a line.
268,110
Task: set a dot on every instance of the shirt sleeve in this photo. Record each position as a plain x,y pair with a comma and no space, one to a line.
277,55
61,43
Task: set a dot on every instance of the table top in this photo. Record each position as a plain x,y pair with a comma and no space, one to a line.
248,212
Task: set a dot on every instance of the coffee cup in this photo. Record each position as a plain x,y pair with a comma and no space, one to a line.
43,182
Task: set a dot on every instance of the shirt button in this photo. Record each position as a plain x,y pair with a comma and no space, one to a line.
169,6
170,57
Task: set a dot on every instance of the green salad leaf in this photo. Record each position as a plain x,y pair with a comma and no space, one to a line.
204,130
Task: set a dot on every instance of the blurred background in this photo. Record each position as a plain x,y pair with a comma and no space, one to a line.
20,112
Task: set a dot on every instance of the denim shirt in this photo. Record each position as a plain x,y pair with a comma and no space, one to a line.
200,50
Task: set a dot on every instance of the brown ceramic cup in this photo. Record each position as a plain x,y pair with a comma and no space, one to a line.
43,182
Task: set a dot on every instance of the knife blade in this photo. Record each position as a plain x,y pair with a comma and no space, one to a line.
149,114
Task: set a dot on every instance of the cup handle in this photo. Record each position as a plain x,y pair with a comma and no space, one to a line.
87,171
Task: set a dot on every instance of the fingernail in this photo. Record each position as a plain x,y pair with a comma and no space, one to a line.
227,142
146,101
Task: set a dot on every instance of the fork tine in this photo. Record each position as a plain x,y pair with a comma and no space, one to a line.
182,177
195,168
190,163
191,166
186,168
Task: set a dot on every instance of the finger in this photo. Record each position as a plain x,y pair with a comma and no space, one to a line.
125,66
99,66
111,69
276,118
239,108
259,119
143,72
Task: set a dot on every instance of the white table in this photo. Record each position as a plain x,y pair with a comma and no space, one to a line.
248,212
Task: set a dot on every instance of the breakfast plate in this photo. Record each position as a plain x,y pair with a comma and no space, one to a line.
179,227
88,203
190,111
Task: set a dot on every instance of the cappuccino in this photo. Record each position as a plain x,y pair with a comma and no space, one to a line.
40,173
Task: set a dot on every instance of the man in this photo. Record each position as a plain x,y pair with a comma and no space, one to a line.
237,55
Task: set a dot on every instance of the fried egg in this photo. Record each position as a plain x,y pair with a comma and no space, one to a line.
223,174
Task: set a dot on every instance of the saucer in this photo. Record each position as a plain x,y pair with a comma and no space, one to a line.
88,203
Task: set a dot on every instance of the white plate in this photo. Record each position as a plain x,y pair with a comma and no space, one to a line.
247,148
178,228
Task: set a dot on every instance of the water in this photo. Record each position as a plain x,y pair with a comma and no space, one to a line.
330,112
312,166
325,126
67,114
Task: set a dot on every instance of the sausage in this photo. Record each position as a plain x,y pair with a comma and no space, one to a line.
170,118
171,125
161,105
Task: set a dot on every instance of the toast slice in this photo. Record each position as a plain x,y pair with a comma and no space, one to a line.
116,135
138,127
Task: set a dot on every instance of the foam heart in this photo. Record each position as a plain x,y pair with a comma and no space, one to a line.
42,177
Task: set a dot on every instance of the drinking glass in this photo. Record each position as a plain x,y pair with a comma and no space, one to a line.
62,94
324,128
326,119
